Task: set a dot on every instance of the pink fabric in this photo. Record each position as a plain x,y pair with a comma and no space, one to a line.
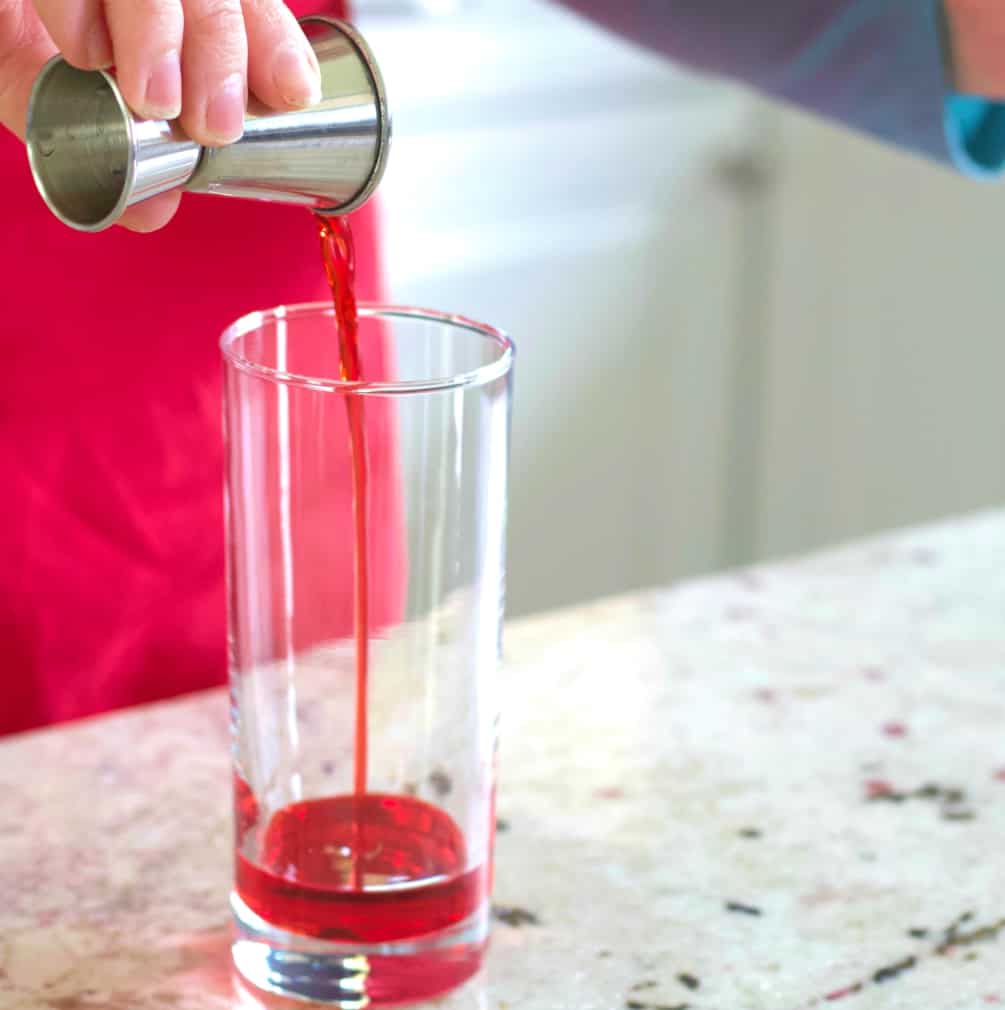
111,529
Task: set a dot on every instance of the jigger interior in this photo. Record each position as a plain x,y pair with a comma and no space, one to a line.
80,145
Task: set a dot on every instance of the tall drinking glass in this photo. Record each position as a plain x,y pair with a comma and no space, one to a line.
365,585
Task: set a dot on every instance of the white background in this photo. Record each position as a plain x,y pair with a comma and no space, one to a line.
741,334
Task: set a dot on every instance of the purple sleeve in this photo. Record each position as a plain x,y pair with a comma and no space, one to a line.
875,65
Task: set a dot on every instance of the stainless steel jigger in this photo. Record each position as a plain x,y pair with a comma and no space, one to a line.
92,158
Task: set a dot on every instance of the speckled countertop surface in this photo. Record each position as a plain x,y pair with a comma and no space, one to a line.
766,791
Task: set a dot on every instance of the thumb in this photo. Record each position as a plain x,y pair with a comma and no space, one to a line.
25,47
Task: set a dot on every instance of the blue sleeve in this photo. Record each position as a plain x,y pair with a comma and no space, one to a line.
878,66
975,135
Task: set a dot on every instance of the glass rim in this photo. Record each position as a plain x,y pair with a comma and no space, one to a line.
480,376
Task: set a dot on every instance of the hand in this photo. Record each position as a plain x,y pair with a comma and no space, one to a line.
977,45
189,58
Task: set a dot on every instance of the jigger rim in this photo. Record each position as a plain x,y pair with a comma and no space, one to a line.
36,159
383,113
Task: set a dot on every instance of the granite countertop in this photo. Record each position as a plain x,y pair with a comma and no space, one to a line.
777,789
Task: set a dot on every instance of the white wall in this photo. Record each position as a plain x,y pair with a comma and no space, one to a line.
558,183
741,334
884,350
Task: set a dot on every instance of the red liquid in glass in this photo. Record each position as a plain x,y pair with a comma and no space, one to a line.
412,865
364,868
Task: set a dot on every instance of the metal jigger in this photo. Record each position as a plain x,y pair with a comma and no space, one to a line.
91,158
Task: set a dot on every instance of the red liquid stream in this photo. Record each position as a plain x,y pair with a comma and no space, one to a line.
364,868
338,256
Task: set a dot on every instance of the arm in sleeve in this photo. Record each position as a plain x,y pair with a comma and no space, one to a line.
879,66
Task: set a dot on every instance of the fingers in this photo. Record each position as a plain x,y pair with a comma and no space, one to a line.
147,38
25,47
188,58
151,214
214,66
282,68
79,31
190,62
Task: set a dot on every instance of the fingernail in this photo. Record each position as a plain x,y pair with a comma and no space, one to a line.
99,46
225,111
296,76
163,95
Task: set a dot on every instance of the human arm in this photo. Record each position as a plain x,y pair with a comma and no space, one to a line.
904,71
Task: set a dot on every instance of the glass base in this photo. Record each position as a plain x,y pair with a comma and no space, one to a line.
356,977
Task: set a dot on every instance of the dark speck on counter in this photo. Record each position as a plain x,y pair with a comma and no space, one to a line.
954,937
951,800
958,815
441,782
741,909
893,970
514,916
